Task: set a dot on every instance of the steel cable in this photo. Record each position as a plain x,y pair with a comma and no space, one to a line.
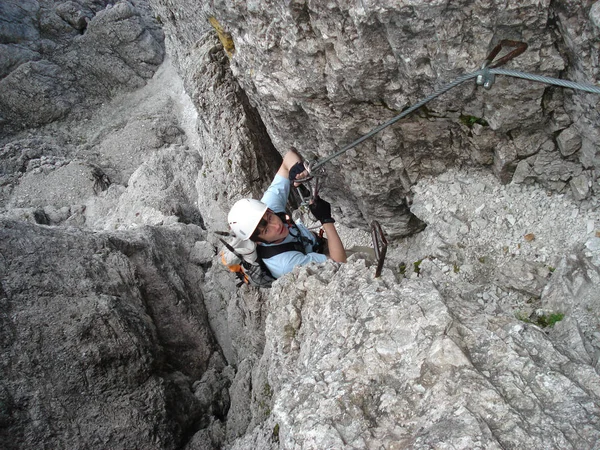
485,73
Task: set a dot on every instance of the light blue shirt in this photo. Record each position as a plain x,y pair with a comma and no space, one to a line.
275,198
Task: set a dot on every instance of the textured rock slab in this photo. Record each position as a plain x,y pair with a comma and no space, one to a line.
327,73
101,338
63,56
321,74
366,363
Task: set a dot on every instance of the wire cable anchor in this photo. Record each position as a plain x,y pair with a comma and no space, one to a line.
487,78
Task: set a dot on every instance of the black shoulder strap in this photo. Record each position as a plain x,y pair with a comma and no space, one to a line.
265,252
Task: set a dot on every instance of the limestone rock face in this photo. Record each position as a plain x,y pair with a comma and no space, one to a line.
239,159
142,159
402,366
119,328
65,55
453,345
322,74
102,337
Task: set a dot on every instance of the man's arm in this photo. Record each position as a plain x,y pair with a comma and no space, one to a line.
322,212
336,248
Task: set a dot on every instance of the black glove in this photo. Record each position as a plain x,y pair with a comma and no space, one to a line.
296,170
321,210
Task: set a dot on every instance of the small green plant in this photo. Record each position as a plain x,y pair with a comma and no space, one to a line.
551,269
522,317
265,399
402,268
550,320
289,331
543,321
267,390
456,268
472,120
417,266
481,259
275,435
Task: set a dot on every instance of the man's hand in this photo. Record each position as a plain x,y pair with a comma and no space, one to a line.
321,210
298,172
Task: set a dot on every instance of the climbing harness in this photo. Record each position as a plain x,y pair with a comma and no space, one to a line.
246,259
485,77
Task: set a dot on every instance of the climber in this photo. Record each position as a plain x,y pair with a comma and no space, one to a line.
266,223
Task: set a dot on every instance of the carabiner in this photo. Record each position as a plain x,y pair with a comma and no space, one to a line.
308,188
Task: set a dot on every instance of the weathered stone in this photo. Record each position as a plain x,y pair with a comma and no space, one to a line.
60,187
120,338
552,169
580,186
329,357
393,353
202,253
505,162
241,394
595,15
573,292
302,72
522,276
90,51
569,141
590,153
523,173
75,15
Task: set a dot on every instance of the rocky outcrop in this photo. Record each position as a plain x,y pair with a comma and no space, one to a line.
141,159
473,336
239,159
120,329
66,55
403,366
102,338
321,75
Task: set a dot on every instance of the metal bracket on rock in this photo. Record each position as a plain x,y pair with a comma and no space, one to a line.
486,79
379,246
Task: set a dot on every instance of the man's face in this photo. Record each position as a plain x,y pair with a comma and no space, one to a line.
271,228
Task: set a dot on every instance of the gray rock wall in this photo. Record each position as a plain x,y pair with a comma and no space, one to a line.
387,364
323,74
142,158
239,157
120,329
56,57
453,345
102,339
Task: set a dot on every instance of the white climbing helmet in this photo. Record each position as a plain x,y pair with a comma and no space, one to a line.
245,216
